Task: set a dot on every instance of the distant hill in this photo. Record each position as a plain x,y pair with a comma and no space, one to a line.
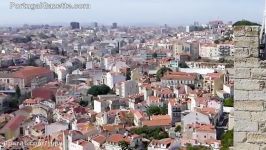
245,23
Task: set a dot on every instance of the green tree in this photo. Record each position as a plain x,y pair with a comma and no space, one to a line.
227,139
123,145
18,92
13,103
150,132
154,55
83,103
99,90
155,110
245,23
183,65
229,102
178,128
160,73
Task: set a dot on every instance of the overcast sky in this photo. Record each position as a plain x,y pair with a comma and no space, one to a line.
137,12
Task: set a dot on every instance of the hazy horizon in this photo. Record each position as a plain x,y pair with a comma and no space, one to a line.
137,12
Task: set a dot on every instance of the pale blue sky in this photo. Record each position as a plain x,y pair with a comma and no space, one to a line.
135,12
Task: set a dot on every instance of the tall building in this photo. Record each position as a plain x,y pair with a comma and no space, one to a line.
74,25
127,88
95,24
114,25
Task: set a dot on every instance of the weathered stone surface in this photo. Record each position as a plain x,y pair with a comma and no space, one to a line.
241,52
246,31
263,147
257,95
241,95
246,146
252,31
246,42
242,73
258,116
242,115
249,105
258,73
247,63
246,39
256,138
240,137
247,84
253,52
250,91
262,126
246,126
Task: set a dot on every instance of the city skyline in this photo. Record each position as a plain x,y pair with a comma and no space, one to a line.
137,12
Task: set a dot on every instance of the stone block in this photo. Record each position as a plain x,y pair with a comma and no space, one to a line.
247,62
246,146
246,42
252,31
241,95
242,115
262,146
246,126
240,137
247,84
262,126
256,138
258,116
258,73
242,73
239,31
249,105
257,95
241,52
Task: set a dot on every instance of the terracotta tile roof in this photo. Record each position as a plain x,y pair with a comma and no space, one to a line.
202,127
212,141
157,122
30,72
99,139
201,100
32,101
178,103
116,138
160,117
112,127
137,114
39,127
179,76
214,75
85,127
14,123
44,92
153,99
207,111
165,141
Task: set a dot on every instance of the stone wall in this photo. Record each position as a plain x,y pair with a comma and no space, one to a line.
250,91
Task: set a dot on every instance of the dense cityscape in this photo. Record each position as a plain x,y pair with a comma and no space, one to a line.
111,87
